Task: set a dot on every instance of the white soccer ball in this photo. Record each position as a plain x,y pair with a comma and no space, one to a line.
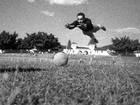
60,59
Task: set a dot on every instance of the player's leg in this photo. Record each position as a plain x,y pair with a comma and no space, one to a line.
91,35
102,27
98,27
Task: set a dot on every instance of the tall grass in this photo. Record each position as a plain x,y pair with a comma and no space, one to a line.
91,81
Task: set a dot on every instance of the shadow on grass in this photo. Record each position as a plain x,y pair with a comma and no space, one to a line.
2,70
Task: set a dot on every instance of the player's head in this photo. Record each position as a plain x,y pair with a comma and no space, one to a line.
80,17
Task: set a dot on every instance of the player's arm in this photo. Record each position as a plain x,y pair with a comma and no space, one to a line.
72,25
85,24
82,25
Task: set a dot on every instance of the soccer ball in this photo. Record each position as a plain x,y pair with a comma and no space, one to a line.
60,59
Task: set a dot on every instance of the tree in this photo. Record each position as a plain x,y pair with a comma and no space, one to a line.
8,41
124,45
42,41
19,43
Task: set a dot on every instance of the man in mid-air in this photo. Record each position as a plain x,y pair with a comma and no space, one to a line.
86,26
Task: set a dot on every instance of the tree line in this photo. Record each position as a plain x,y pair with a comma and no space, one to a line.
41,41
125,45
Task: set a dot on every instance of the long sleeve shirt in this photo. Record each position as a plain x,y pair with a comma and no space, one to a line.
85,26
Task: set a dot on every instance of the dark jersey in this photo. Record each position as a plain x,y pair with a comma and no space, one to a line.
85,26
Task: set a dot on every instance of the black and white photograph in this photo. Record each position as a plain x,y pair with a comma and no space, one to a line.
69,52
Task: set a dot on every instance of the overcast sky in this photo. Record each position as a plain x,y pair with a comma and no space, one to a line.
27,16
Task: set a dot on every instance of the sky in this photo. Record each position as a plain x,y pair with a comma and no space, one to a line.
121,17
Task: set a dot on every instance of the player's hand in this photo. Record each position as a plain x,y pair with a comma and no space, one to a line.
67,25
79,25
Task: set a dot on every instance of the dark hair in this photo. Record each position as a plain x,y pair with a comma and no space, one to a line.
81,14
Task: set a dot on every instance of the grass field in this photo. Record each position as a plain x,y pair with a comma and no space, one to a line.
86,80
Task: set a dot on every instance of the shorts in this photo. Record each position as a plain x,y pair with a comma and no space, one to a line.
90,32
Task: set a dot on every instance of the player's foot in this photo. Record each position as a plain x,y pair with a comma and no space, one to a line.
93,40
103,28
95,46
96,41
